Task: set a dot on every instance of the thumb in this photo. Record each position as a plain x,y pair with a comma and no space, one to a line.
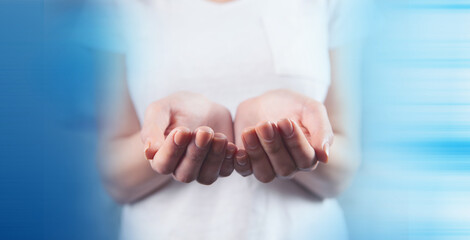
315,119
156,121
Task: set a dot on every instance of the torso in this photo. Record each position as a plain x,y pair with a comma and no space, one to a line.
228,52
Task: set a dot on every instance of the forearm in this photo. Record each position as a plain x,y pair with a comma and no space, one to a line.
329,180
127,174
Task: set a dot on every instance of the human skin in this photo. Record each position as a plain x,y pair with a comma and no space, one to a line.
283,132
184,135
129,176
179,139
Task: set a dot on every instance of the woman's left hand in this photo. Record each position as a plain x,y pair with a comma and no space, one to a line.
282,132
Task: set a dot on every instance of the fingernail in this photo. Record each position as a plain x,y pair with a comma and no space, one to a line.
181,137
241,158
147,145
218,145
230,150
146,149
287,129
326,149
250,139
203,137
266,131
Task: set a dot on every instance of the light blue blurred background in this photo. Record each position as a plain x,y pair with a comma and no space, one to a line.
414,181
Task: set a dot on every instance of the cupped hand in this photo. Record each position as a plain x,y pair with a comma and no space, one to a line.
282,132
189,136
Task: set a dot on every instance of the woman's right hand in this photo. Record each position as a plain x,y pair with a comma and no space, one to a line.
189,136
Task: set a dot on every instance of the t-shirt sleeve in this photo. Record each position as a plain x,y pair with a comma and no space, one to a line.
100,27
336,23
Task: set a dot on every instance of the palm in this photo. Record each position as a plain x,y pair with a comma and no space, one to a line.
272,129
192,111
271,106
187,135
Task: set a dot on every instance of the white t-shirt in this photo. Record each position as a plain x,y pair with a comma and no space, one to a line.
228,52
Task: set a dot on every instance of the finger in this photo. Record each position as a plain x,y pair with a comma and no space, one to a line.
227,165
260,164
297,144
315,119
211,166
172,150
273,146
189,166
157,119
242,163
238,130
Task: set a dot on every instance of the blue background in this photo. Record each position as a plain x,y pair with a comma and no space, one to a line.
414,180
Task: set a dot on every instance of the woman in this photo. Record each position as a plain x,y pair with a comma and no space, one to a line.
171,144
